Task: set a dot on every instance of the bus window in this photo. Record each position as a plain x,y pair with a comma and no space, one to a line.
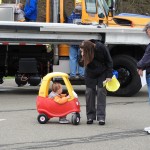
90,6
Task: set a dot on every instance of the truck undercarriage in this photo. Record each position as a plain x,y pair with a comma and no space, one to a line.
24,53
27,63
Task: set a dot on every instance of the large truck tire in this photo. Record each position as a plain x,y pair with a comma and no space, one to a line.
130,82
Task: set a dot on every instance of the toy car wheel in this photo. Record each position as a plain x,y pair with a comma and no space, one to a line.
75,118
42,119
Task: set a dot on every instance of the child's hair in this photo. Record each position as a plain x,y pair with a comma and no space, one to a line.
56,86
21,6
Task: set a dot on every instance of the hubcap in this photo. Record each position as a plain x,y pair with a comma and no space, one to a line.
124,76
42,118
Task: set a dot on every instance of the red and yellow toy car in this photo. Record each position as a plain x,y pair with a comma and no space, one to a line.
48,108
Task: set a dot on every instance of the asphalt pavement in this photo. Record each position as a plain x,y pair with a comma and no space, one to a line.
20,130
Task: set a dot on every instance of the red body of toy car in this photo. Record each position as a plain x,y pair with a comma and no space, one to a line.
48,108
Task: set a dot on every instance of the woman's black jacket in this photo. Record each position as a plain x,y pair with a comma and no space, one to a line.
101,63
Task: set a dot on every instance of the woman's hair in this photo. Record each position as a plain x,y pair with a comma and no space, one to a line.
88,51
56,86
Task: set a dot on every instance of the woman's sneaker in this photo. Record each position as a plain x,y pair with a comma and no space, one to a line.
89,121
63,120
147,129
101,122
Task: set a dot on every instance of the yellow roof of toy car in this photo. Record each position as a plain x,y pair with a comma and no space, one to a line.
45,85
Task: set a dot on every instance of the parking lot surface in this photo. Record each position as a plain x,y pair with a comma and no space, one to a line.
20,130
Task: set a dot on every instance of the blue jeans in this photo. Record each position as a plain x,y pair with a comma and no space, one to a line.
74,66
148,85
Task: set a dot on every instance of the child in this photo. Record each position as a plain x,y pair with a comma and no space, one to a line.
59,98
20,16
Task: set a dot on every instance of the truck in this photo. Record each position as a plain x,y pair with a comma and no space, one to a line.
28,51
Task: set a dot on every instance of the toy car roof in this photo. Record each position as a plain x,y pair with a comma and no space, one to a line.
45,85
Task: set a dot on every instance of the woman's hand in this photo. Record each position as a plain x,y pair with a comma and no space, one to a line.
104,82
108,79
140,72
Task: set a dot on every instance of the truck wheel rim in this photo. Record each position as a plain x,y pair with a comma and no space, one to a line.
124,76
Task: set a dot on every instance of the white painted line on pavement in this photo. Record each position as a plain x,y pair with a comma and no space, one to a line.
2,119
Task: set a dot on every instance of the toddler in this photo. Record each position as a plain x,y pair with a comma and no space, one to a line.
59,98
20,16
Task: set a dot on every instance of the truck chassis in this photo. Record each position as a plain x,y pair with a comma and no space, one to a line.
25,56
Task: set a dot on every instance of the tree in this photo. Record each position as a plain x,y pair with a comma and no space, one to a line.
125,6
133,6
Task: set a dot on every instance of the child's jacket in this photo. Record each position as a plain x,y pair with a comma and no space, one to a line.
60,99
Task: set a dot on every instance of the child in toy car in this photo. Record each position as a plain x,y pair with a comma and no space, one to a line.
48,108
59,98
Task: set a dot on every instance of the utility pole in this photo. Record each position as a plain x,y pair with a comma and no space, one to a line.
55,10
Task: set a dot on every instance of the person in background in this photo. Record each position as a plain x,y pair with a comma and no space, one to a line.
74,52
31,10
144,64
20,16
59,98
98,69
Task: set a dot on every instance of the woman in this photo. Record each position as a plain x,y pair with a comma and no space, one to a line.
144,64
98,68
